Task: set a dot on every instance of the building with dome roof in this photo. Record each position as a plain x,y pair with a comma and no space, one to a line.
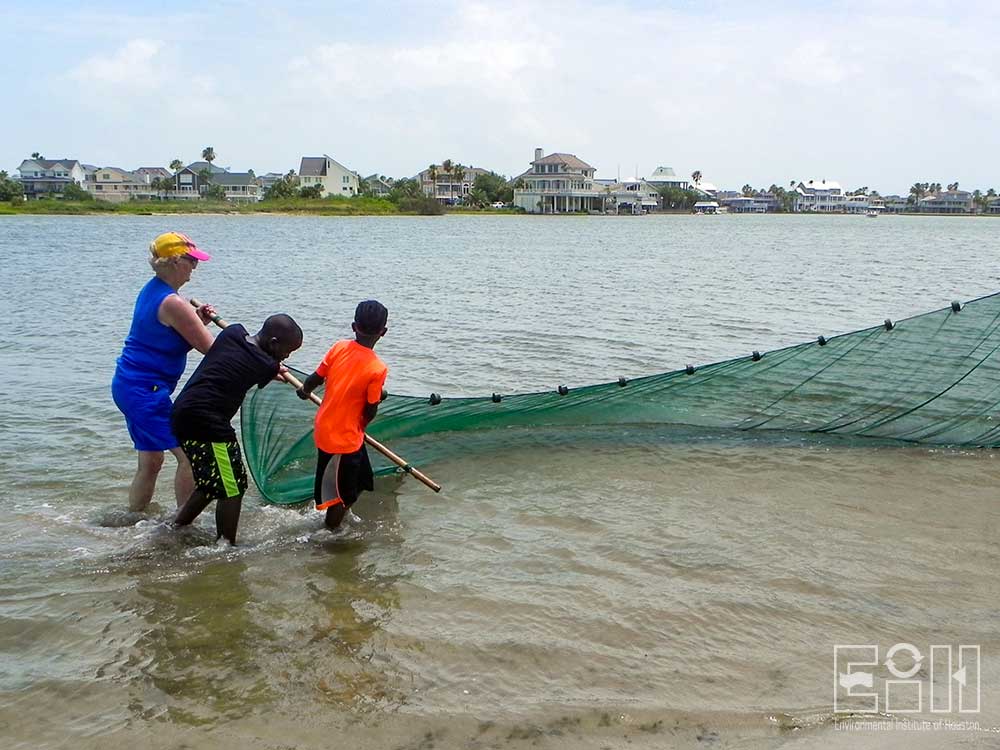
666,177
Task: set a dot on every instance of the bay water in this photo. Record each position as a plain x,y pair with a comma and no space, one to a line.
653,587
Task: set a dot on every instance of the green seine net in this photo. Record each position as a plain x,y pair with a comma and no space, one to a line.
931,379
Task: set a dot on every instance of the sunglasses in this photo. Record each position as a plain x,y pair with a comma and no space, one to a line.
192,261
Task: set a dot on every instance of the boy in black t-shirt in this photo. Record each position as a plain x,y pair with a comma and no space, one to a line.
203,411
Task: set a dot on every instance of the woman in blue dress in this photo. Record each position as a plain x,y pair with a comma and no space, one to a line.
165,327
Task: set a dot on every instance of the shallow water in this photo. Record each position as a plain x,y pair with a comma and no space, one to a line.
599,588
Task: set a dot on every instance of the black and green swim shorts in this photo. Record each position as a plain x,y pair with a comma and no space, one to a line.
218,468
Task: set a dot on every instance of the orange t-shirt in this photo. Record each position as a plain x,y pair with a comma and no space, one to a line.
354,378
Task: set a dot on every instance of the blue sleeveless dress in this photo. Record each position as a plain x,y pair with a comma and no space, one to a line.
151,363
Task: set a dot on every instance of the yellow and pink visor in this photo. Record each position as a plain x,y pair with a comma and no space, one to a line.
173,244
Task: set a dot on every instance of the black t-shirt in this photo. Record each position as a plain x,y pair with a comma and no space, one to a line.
211,398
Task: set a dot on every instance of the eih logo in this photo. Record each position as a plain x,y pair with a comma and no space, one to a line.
951,679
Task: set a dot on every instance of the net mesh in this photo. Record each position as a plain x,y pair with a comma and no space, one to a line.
930,379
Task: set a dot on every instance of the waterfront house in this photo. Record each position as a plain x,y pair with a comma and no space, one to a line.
239,187
117,185
820,195
265,181
153,173
447,187
665,177
896,204
993,206
377,186
947,202
190,181
331,175
632,196
203,166
747,204
559,183
187,184
706,189
47,178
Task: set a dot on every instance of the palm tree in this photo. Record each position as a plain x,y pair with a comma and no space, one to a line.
747,190
176,165
458,172
432,174
696,177
448,166
36,155
208,154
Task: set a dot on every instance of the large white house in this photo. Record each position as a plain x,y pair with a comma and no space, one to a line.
820,195
43,178
558,183
331,175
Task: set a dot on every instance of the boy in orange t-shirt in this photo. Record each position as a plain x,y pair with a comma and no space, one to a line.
354,378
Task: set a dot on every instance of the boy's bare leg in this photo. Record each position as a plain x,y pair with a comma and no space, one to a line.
183,477
192,508
144,483
334,515
227,517
329,491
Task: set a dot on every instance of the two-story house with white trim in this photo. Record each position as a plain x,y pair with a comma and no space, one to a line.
632,197
820,195
558,183
947,202
239,187
118,185
331,175
47,178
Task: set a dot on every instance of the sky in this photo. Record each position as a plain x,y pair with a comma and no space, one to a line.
871,93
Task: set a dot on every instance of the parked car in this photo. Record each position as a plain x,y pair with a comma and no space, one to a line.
499,204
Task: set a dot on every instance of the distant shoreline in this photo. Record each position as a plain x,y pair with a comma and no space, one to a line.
325,207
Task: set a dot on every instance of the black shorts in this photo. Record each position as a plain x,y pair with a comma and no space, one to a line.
218,468
354,476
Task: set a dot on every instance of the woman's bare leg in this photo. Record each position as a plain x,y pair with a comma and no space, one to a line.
144,483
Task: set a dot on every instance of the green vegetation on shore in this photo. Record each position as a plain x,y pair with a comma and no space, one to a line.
336,206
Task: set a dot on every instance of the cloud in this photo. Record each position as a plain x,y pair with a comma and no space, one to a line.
131,66
755,93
